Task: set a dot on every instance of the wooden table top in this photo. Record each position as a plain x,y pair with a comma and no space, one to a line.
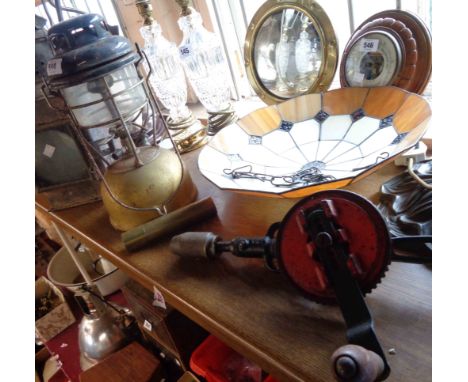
256,311
133,363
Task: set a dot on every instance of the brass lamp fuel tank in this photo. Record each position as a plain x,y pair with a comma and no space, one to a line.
161,180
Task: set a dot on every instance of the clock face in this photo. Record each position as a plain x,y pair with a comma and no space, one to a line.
373,60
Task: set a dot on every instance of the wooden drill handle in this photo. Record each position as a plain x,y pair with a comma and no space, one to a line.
352,363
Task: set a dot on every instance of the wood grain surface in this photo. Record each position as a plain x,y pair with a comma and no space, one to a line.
133,363
257,312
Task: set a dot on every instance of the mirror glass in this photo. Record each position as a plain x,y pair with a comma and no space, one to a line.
287,53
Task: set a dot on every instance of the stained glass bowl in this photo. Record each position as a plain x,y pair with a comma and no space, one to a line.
315,141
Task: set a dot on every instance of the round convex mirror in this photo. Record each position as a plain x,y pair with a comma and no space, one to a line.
290,50
290,66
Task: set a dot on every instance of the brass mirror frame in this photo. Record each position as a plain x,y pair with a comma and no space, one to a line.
328,40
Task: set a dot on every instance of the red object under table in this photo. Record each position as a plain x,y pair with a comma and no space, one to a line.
217,362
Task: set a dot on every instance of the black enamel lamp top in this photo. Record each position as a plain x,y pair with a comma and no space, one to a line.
85,49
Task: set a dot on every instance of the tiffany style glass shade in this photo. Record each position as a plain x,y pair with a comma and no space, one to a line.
315,141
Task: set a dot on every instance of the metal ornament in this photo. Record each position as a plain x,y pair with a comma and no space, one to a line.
406,205
104,328
100,332
290,50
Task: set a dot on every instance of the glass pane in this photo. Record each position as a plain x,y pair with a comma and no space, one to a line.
423,8
363,9
83,93
250,7
122,79
132,99
376,66
101,7
102,112
337,11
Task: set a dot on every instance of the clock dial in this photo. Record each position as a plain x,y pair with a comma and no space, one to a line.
389,48
373,60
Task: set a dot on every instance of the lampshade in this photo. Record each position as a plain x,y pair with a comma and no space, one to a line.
97,75
315,142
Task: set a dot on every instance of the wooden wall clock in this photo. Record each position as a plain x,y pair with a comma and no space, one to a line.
389,48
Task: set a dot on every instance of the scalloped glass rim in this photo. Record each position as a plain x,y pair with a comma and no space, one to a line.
349,133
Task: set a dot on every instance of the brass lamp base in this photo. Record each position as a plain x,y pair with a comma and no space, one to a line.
220,119
191,140
160,179
188,134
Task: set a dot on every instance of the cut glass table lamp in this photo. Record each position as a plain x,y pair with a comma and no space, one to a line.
203,61
168,82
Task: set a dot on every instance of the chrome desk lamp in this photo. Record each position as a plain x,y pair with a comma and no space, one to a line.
105,327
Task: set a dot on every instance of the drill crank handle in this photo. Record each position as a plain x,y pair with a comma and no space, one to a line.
360,332
412,249
353,363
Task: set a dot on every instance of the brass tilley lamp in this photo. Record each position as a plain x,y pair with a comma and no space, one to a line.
98,76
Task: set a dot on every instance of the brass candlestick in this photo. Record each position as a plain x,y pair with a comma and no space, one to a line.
184,5
145,9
